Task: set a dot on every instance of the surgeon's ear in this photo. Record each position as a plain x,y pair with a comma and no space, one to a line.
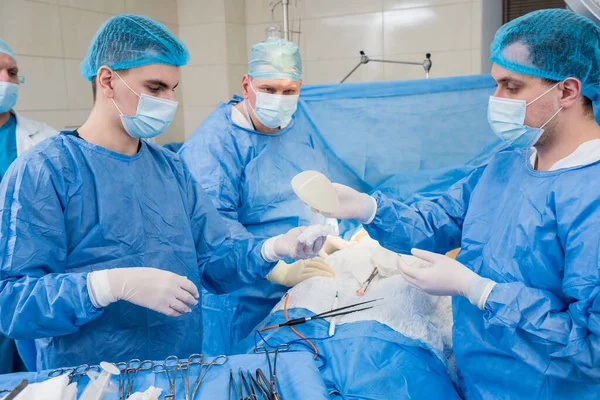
104,82
246,87
571,91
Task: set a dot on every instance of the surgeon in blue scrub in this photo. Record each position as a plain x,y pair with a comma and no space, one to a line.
526,283
17,135
244,155
104,237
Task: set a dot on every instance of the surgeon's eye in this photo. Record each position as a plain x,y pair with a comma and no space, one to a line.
154,89
512,90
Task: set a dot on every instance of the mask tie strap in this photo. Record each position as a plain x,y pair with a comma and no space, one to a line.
543,94
551,118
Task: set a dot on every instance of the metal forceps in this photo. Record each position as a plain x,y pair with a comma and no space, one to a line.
60,371
239,390
269,390
171,364
194,359
123,368
232,385
218,360
248,386
365,285
75,374
131,370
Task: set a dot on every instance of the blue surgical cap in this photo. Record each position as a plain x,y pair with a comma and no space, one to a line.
129,41
552,44
275,59
5,48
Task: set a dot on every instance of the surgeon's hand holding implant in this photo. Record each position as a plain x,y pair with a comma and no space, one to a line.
447,277
353,205
298,243
152,288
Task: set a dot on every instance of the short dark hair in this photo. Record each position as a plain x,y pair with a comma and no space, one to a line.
588,104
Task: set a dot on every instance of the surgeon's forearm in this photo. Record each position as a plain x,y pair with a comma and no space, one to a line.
237,263
53,305
425,225
568,332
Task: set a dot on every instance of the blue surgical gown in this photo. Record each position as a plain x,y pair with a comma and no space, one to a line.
248,176
68,207
8,153
536,234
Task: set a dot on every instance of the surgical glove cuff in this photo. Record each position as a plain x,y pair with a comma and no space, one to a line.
99,289
279,273
479,291
268,250
369,212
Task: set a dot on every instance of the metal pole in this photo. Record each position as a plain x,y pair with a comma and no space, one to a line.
397,62
351,72
364,59
286,19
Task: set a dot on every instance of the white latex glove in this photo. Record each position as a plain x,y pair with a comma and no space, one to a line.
298,243
353,205
333,244
156,289
447,277
292,274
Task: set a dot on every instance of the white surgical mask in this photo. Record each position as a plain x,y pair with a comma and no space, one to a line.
507,119
274,110
9,92
153,115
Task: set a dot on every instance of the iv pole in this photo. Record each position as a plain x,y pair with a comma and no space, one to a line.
285,5
364,59
286,19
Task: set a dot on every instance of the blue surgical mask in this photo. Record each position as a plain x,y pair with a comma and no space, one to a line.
153,115
9,92
274,110
507,119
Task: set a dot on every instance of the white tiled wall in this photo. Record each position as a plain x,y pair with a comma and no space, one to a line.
215,33
51,37
334,31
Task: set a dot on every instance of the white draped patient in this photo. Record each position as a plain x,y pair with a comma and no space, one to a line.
402,345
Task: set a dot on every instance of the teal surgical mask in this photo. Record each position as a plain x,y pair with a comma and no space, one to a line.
153,115
274,110
9,92
507,119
